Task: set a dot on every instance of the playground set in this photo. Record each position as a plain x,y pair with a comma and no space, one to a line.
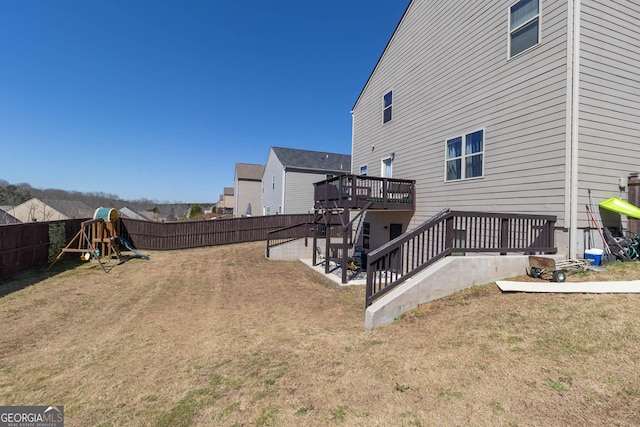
100,238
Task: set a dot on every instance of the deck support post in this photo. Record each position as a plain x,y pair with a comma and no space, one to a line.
346,227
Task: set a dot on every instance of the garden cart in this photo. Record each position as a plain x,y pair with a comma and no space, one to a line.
555,270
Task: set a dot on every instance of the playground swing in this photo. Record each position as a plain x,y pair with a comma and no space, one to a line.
99,237
86,242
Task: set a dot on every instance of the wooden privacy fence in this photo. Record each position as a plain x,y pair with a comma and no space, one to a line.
451,232
193,234
25,246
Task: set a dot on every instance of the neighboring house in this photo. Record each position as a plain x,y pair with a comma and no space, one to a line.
162,217
505,106
204,216
289,174
225,205
50,210
126,212
247,189
150,215
5,217
157,216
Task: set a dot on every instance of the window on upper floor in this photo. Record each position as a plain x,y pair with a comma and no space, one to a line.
465,156
363,170
273,182
524,26
387,107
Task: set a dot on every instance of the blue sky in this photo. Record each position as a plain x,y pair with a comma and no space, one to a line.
160,99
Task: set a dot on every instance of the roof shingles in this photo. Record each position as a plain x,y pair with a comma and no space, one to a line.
313,160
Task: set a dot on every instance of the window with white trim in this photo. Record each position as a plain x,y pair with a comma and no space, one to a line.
465,156
524,26
387,107
363,170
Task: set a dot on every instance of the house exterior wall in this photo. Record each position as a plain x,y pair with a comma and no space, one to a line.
225,205
288,190
450,75
380,226
299,191
272,185
609,98
248,191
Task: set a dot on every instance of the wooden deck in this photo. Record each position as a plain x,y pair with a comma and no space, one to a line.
364,192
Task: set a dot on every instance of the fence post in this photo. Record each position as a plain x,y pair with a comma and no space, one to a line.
268,247
504,235
550,233
448,233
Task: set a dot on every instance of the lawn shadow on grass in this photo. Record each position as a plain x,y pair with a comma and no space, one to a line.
21,281
35,275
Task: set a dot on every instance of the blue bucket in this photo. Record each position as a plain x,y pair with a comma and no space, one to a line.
595,255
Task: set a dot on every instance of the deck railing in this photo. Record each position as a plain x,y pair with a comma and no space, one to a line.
301,231
287,234
359,191
454,232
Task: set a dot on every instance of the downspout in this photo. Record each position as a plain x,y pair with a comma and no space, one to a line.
573,107
353,134
235,199
284,186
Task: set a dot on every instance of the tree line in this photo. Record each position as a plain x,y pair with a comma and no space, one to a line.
15,194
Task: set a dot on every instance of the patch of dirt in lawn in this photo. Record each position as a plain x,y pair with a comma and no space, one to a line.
222,337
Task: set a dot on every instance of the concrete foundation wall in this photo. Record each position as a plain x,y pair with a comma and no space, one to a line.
444,278
294,250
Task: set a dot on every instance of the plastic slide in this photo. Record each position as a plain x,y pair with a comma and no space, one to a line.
622,207
126,244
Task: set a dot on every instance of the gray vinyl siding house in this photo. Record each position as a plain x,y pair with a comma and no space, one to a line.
289,174
247,189
553,121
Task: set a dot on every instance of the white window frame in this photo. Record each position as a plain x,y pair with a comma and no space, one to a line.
464,156
387,107
273,182
364,170
510,31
